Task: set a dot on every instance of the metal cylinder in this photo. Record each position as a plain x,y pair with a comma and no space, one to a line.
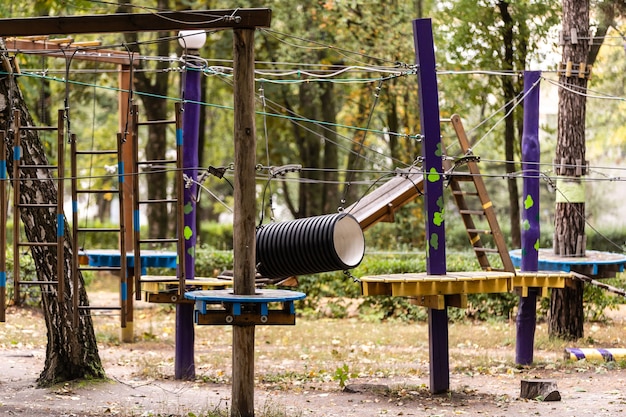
309,246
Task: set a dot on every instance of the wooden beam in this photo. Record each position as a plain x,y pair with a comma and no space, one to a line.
49,48
137,22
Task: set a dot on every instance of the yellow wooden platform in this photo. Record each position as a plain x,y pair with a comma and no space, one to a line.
541,279
156,283
439,291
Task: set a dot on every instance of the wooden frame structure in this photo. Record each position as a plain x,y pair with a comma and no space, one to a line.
243,22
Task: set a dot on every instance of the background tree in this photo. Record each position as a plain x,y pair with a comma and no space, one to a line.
342,33
493,35
566,317
157,82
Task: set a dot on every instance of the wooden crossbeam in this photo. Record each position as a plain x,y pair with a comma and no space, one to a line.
48,47
137,22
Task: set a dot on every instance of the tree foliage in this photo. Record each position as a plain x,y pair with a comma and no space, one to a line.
501,38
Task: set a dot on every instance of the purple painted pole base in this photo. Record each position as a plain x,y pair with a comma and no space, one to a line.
438,351
525,322
184,367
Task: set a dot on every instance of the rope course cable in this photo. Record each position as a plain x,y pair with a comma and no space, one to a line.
317,73
295,118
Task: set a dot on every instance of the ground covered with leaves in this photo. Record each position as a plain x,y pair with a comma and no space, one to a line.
320,367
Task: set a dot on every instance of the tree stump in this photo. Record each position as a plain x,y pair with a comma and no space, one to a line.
539,389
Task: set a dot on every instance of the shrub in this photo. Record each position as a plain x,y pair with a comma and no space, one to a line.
216,235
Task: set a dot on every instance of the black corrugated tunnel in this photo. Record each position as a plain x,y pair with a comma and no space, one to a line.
312,245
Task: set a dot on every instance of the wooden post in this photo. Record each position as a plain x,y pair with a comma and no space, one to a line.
244,217
3,224
433,191
128,164
184,365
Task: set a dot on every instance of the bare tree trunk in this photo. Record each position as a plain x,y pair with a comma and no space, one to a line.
508,88
566,310
155,107
331,157
72,352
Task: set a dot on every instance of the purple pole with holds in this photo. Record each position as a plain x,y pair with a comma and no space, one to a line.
192,41
527,309
433,194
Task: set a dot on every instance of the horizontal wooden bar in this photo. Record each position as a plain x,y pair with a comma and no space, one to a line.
137,22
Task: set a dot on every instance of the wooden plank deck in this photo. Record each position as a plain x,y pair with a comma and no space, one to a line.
424,287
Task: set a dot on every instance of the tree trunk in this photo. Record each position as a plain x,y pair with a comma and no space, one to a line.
71,353
508,89
309,146
566,310
155,107
331,157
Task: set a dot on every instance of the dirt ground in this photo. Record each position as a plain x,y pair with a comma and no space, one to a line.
590,390
585,393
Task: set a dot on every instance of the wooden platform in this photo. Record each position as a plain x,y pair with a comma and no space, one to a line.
596,264
155,283
543,280
451,290
161,288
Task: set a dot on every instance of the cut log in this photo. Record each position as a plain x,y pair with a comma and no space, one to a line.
539,389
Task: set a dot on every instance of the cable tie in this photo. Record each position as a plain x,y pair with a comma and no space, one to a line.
282,170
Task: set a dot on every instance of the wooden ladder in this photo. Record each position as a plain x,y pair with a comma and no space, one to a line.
97,185
469,212
148,167
23,170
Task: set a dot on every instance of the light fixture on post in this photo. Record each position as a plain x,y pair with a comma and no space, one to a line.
191,41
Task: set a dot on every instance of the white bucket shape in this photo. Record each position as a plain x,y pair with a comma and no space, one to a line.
311,245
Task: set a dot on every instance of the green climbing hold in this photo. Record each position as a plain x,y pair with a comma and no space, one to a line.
191,252
438,152
525,225
188,208
528,202
537,245
187,233
438,218
434,241
440,204
433,175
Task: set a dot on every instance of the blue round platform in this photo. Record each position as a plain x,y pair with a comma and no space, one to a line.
230,306
261,296
112,258
595,261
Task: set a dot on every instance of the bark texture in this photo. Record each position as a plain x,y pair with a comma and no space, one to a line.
566,310
71,353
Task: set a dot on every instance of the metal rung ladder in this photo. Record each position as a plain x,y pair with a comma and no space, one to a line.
114,156
19,168
176,202
476,190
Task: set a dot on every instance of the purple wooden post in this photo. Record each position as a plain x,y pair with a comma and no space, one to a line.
184,367
433,194
191,119
527,309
